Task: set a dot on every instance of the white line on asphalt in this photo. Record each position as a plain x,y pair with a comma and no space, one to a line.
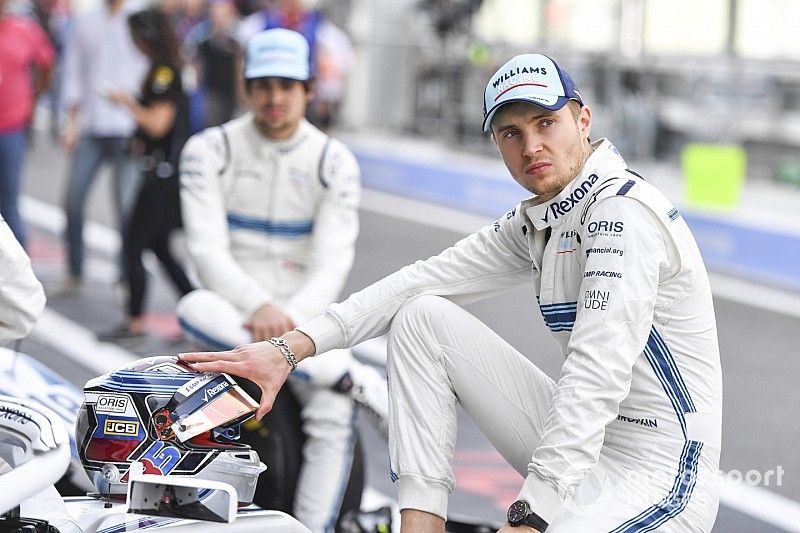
422,212
760,503
52,219
80,344
752,294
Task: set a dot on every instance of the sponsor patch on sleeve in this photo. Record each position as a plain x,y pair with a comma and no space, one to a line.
162,79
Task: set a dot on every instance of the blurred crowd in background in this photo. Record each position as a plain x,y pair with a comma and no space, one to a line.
88,72
212,34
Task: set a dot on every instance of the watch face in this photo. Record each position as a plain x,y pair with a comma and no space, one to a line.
517,512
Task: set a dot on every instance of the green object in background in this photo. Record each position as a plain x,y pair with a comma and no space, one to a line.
788,171
478,54
713,174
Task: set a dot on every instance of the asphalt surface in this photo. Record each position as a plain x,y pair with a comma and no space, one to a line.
759,349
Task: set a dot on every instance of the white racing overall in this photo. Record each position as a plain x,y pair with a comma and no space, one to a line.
628,438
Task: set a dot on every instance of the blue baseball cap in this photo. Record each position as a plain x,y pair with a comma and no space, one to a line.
532,78
277,53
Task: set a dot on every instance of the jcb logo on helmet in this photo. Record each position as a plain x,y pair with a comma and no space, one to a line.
120,427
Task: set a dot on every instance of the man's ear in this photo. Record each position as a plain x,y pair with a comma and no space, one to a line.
585,121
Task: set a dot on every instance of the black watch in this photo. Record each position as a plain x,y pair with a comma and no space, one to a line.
520,514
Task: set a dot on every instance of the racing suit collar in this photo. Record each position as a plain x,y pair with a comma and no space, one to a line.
283,145
605,157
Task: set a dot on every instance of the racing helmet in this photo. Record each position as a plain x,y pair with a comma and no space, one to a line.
172,419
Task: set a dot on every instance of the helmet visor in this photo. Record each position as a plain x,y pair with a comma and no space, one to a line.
207,402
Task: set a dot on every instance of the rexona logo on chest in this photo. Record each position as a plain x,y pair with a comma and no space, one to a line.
213,391
564,206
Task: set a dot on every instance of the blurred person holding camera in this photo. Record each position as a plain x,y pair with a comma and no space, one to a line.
619,281
162,125
100,58
270,207
24,47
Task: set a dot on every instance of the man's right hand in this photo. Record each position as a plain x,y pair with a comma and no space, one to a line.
261,363
268,321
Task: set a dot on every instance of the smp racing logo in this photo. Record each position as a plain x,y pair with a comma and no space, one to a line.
209,393
562,207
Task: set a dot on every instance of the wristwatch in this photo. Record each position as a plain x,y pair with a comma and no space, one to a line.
520,514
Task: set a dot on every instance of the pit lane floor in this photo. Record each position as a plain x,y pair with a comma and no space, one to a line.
758,347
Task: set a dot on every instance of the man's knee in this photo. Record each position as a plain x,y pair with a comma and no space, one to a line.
422,312
422,322
211,321
193,303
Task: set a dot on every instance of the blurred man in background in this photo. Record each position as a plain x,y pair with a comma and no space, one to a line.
270,207
294,15
331,51
24,46
100,57
335,60
216,55
628,439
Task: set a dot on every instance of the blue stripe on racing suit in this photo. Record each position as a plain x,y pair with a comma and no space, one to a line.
663,364
286,229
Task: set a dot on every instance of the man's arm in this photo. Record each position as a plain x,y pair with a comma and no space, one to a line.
624,262
206,224
21,295
334,238
488,262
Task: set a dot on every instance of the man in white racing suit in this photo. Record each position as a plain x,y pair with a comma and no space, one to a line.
628,438
21,294
270,207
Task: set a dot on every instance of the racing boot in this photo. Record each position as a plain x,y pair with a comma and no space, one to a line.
368,388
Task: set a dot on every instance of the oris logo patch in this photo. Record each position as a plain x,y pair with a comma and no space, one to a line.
605,226
111,404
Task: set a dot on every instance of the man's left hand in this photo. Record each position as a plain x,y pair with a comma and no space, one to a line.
268,321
